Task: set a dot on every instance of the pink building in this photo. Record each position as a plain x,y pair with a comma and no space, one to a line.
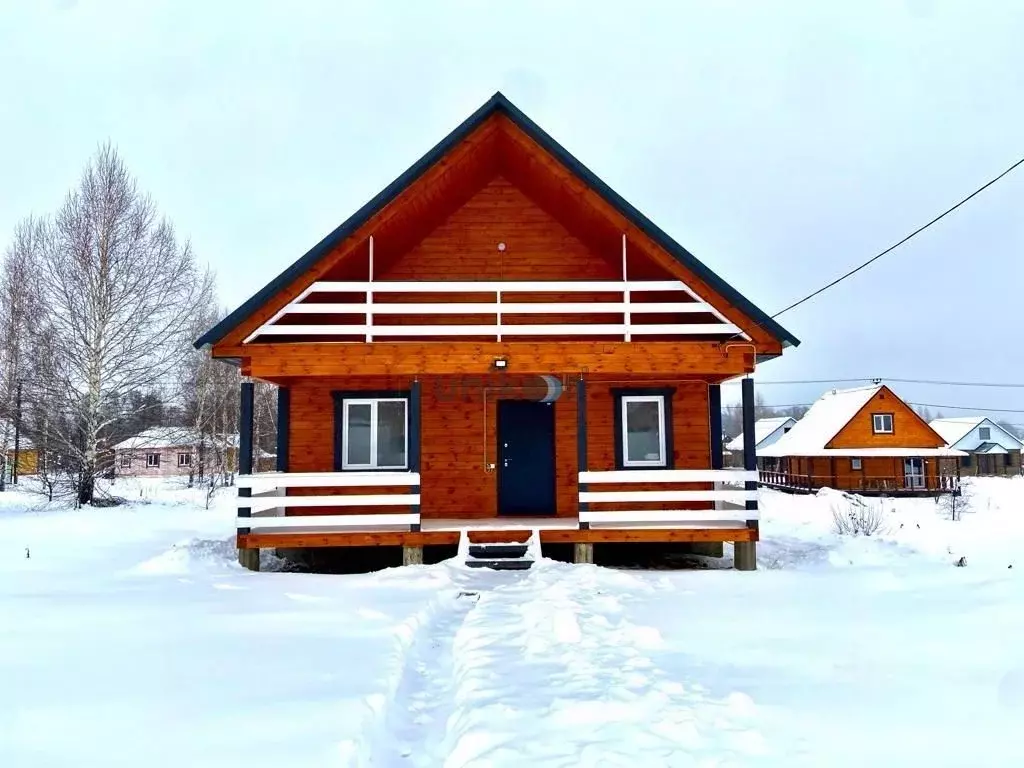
174,451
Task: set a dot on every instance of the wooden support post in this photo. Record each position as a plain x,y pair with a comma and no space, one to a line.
715,421
284,411
249,558
581,440
583,552
749,443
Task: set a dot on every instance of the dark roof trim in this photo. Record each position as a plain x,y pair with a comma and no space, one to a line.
497,103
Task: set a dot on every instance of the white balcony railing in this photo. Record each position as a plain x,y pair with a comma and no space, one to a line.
358,319
727,494
268,500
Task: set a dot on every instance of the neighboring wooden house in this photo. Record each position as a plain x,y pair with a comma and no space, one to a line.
990,449
866,440
28,456
173,451
766,432
497,344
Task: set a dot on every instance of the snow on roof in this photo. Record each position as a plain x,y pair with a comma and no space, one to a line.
829,414
167,437
762,428
956,428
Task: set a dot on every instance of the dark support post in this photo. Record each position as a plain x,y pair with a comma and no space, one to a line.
17,435
284,418
715,420
581,440
745,552
415,407
250,558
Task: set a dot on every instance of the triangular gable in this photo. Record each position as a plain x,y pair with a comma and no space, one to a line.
289,283
955,430
857,433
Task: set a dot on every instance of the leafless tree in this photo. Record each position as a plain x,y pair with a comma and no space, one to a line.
120,293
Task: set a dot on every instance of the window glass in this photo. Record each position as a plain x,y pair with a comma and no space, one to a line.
645,435
357,433
985,433
391,436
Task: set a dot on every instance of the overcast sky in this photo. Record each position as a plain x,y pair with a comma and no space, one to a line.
781,143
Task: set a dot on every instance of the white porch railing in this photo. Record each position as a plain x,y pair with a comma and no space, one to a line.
359,316
728,494
265,507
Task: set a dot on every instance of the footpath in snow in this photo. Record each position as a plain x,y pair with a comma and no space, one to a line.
132,634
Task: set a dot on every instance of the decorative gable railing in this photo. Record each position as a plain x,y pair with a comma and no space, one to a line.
495,310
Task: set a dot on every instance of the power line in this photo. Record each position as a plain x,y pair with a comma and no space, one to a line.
936,382
893,247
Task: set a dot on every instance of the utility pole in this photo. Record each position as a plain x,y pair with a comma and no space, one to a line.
17,434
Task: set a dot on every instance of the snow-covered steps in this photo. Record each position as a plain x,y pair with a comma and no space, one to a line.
510,556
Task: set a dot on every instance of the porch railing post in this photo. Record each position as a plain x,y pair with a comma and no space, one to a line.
245,412
284,411
415,405
581,441
749,444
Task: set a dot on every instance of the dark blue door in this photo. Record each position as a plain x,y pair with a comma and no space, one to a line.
526,458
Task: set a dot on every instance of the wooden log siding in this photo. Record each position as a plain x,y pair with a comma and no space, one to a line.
455,448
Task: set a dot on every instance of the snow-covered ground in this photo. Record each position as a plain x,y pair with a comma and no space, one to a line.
128,636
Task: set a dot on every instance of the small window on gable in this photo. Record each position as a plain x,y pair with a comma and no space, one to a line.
881,423
643,431
984,433
152,459
856,465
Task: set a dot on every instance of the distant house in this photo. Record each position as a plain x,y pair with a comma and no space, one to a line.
766,432
28,456
170,451
866,440
990,449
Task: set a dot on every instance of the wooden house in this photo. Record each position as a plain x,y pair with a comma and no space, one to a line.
989,449
865,440
175,451
766,432
496,346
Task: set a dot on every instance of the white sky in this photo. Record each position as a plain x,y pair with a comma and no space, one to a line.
780,142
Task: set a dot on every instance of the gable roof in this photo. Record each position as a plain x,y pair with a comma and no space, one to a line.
827,417
763,428
956,428
497,104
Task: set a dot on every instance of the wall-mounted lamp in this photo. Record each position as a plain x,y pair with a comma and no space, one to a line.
501,363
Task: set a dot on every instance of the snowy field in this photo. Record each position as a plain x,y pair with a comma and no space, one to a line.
129,637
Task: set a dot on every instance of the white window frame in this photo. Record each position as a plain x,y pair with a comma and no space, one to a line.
662,461
152,464
126,460
987,433
914,480
856,465
187,457
373,402
878,423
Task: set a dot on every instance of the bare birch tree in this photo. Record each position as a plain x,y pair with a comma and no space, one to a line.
120,293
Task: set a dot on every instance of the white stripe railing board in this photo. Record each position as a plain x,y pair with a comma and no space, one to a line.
330,521
327,479
363,500
581,329
478,308
610,497
493,286
662,516
670,476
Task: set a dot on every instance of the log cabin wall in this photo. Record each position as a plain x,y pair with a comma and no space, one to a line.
459,437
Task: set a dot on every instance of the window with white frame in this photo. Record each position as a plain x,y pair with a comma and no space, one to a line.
126,459
856,465
152,459
184,459
984,433
881,423
375,433
643,431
